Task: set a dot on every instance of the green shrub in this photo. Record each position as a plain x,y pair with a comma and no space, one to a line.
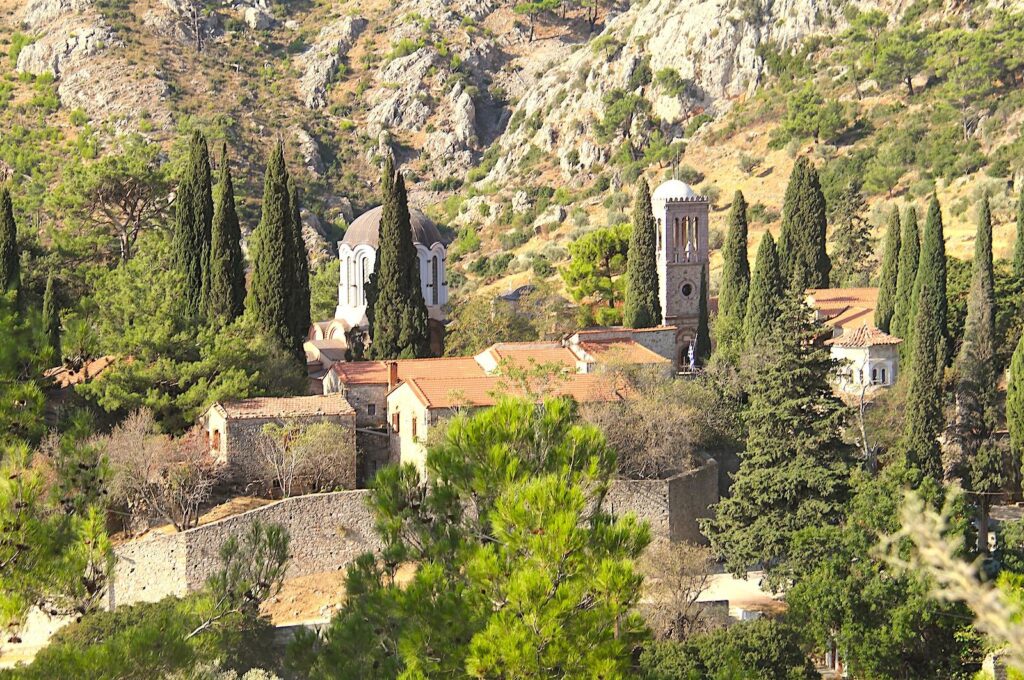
404,48
671,83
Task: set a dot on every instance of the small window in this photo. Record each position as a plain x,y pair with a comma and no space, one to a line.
884,381
371,409
413,427
874,375
215,444
395,420
687,289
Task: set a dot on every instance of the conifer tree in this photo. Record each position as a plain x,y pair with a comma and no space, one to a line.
10,265
399,313
931,277
1018,246
643,305
802,254
299,306
886,306
702,341
51,319
794,473
853,248
910,255
272,275
193,223
226,297
766,290
923,420
735,286
1015,401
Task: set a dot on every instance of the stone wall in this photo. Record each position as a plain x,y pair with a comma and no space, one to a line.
672,506
327,532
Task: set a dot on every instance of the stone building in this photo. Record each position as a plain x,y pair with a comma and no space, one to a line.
683,254
868,358
234,428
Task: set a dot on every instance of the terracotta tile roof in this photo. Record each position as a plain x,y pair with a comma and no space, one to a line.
287,407
628,351
864,336
832,301
625,332
62,377
488,389
332,349
521,353
376,372
852,317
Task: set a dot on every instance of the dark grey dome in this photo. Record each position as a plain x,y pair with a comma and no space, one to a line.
365,230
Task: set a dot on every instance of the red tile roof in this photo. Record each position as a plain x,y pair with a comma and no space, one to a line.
864,336
832,301
287,407
627,351
63,377
524,353
487,390
376,372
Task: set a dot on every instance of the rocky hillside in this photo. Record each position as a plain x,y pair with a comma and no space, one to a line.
519,132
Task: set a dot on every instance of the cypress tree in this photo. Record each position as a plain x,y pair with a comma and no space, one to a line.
923,421
399,313
1015,401
890,273
702,342
10,266
51,319
193,222
976,391
910,254
643,305
226,297
735,286
272,276
931,280
299,306
802,242
1018,246
766,290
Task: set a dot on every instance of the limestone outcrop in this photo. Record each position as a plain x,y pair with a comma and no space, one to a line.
321,61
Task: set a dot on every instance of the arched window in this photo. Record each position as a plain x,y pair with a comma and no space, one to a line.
361,286
434,278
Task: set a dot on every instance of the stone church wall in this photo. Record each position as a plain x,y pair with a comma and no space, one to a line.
672,506
327,531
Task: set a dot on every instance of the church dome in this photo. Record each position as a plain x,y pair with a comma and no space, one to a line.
365,230
673,190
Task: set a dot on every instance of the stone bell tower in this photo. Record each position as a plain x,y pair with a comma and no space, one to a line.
682,218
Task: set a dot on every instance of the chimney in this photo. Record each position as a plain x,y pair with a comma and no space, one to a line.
392,374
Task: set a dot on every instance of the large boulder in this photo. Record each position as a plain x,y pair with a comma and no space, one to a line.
309,150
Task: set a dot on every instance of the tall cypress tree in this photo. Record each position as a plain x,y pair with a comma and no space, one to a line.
886,306
766,291
193,222
272,275
399,311
10,265
802,242
702,341
931,280
923,420
51,319
735,286
1018,246
643,305
299,312
225,299
1015,401
910,255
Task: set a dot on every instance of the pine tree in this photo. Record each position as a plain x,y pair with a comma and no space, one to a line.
1018,246
931,277
766,290
802,255
886,306
299,305
399,313
794,473
193,223
852,245
735,286
923,420
272,275
910,255
643,306
10,265
702,341
51,319
226,297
